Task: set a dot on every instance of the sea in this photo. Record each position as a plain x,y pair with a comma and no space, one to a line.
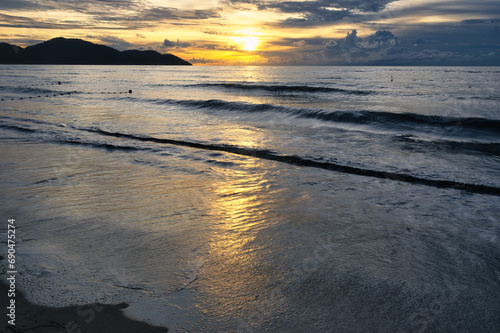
255,199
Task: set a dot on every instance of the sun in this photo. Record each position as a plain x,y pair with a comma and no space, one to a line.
250,43
247,43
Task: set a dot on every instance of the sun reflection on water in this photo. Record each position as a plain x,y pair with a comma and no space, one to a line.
240,207
243,197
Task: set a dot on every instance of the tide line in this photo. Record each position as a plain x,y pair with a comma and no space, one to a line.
305,162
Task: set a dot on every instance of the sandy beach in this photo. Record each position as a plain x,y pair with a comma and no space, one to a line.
93,318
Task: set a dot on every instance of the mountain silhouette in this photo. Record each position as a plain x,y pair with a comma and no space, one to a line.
9,53
63,51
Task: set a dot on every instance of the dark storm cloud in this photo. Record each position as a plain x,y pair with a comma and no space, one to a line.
18,5
164,13
306,6
86,6
384,48
122,13
320,6
476,21
456,7
319,12
12,21
319,17
472,39
462,34
148,17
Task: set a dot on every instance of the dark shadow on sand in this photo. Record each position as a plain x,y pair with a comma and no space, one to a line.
89,318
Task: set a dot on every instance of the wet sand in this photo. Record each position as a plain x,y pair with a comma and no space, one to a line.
95,318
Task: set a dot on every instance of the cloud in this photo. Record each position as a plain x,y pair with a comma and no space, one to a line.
461,35
223,33
18,5
300,43
316,5
177,45
380,39
202,61
331,44
318,12
380,47
406,32
83,6
384,48
167,43
164,13
12,21
477,21
323,6
455,7
320,17
120,14
114,42
218,46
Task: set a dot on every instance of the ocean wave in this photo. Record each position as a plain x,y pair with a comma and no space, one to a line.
487,98
29,90
450,146
216,104
18,128
250,152
417,122
397,122
102,145
56,137
308,162
283,88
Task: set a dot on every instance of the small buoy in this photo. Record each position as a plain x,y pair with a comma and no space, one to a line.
130,91
59,82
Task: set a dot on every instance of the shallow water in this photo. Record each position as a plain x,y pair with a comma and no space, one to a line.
227,194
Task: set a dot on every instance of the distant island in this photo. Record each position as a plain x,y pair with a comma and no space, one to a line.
63,51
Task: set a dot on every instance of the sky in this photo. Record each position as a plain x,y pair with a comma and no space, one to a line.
267,32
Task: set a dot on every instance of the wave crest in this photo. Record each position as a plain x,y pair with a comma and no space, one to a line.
283,88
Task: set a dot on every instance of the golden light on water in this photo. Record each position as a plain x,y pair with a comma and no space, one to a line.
240,204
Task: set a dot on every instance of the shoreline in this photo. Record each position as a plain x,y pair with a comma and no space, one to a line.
91,318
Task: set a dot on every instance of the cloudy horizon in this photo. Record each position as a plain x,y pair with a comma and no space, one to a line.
260,32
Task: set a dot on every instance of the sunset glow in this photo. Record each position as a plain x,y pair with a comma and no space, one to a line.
247,43
262,32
